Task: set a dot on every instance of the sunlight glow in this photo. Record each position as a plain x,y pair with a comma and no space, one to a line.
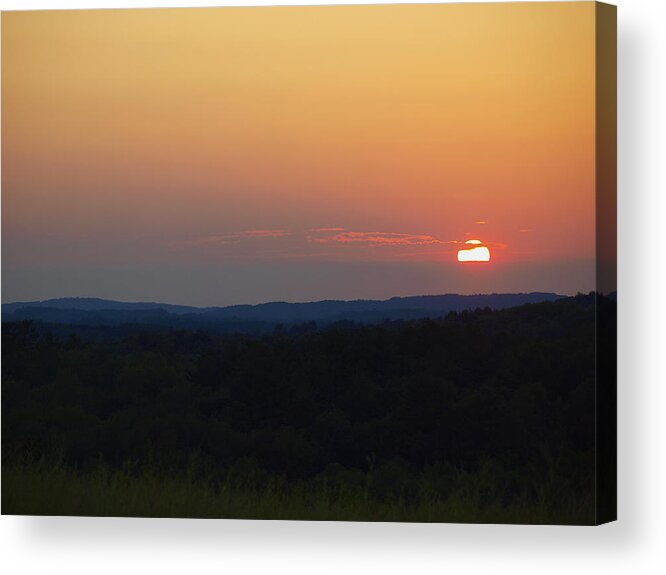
477,254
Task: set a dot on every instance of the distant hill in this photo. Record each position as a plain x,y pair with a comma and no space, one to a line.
96,304
94,311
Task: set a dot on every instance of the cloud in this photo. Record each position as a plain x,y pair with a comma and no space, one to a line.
347,237
329,243
494,245
491,244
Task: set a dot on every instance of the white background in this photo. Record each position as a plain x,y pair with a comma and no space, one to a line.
636,543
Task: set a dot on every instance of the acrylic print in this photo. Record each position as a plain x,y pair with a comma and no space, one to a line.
313,263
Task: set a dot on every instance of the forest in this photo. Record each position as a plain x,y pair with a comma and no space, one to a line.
475,416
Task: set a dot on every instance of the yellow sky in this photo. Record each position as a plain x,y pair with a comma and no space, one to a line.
128,132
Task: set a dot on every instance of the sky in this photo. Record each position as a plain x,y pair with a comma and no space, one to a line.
242,155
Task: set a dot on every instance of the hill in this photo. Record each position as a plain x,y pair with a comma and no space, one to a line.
94,311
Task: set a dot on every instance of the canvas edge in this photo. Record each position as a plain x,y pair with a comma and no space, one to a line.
606,261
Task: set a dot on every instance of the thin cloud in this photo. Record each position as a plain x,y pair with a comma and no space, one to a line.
315,243
495,245
347,237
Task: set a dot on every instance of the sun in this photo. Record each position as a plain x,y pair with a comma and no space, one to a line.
478,253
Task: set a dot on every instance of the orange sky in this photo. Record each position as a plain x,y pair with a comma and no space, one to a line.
148,144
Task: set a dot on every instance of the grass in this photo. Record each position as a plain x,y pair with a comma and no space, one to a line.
40,487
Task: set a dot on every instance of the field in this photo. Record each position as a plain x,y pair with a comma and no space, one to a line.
42,488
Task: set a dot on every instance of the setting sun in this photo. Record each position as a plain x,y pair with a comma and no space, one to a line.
478,253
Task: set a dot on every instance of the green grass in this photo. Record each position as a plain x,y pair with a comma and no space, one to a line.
39,487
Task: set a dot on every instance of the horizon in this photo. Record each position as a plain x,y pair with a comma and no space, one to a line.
413,296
